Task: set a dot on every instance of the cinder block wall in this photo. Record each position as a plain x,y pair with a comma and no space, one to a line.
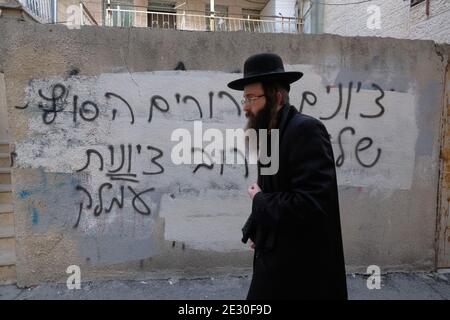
74,97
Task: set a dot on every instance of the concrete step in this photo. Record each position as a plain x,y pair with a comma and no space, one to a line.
5,159
7,251
5,175
7,225
8,275
5,198
5,178
6,208
4,147
4,188
5,194
7,233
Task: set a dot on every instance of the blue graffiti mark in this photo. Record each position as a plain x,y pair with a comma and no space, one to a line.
23,194
35,217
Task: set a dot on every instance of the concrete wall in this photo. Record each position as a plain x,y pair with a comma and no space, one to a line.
398,20
269,9
381,100
287,9
4,131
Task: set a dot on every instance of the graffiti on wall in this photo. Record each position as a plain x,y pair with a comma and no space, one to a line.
118,132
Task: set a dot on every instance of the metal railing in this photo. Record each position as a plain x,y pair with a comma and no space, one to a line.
42,10
127,16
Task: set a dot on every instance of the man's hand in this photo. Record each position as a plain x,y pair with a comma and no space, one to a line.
251,244
253,189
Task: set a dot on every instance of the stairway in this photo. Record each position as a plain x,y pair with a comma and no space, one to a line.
7,234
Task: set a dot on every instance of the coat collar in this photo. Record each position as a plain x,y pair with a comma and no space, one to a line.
284,115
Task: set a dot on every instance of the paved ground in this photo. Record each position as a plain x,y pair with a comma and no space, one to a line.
393,286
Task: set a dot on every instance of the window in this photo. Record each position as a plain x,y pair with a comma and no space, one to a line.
121,15
414,2
162,15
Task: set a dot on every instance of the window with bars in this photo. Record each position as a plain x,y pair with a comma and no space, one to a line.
121,15
161,15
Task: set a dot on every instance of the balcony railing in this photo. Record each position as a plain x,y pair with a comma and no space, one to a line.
120,16
42,10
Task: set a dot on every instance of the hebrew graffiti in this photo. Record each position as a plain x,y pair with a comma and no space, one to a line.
58,100
122,135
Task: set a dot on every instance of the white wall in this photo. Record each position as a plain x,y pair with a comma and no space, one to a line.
275,7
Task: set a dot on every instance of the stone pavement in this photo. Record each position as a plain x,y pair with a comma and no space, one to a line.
404,286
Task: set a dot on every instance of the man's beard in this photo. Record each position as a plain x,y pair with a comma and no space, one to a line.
259,121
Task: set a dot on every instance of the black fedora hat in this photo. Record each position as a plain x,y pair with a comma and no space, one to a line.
264,67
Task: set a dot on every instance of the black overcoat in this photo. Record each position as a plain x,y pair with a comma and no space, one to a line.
295,221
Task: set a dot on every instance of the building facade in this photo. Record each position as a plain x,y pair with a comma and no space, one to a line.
406,19
194,15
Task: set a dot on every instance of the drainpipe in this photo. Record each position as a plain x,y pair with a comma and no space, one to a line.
212,9
55,11
301,15
108,14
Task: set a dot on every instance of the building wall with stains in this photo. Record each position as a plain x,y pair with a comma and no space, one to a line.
443,224
92,112
387,18
197,9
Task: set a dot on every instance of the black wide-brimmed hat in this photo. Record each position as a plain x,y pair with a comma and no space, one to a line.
264,67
